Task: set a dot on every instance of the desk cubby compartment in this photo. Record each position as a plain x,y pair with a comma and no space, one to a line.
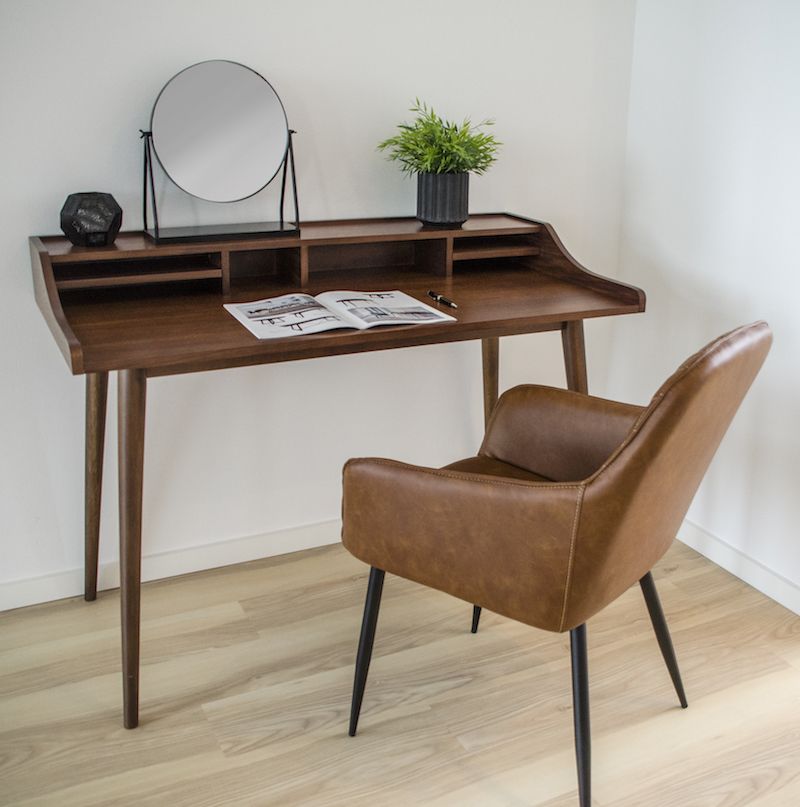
495,247
137,272
429,255
275,262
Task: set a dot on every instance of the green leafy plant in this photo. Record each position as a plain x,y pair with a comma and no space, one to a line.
433,145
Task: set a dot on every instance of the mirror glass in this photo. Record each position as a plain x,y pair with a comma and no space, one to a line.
219,131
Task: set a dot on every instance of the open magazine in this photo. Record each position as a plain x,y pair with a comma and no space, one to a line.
295,314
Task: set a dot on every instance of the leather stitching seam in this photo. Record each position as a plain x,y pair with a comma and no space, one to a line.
480,478
570,562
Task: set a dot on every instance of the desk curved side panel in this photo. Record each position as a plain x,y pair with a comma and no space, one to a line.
554,259
49,302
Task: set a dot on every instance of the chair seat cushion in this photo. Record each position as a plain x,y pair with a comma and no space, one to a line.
493,467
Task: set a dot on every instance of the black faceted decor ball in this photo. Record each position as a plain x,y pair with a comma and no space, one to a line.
91,219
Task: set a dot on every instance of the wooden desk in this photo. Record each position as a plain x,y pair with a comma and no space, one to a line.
144,310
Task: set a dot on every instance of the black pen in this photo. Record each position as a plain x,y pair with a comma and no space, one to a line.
442,300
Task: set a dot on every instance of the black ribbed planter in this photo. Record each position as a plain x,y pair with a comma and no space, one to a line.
443,199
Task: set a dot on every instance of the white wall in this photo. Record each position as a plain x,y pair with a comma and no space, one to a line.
79,81
710,224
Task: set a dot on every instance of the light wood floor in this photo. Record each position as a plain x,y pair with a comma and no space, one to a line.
246,688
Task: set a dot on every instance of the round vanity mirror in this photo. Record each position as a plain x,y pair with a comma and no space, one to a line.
219,131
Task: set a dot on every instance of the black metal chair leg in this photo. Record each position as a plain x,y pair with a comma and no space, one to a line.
662,634
476,617
365,642
580,710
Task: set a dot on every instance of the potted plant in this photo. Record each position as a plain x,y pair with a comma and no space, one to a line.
442,154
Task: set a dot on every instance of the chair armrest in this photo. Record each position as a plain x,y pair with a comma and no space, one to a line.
556,433
500,543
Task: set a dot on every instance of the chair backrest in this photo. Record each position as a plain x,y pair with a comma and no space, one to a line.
634,504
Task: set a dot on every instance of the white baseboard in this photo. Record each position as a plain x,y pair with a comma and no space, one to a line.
18,593
760,577
69,583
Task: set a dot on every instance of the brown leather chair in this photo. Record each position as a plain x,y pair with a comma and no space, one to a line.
571,500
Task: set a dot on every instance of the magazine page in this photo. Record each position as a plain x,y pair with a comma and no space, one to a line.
289,315
366,309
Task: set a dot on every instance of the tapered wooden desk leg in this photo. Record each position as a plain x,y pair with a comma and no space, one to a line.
490,348
574,355
491,374
96,396
131,406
